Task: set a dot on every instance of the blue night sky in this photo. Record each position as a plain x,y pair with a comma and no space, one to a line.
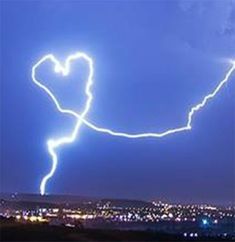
153,61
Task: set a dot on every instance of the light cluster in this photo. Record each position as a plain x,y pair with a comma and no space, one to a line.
188,220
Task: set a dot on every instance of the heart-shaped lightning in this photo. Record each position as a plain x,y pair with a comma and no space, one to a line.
64,69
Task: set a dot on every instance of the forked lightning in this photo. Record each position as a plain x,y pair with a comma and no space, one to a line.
64,69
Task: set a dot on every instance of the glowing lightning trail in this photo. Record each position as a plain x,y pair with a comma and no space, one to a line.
64,69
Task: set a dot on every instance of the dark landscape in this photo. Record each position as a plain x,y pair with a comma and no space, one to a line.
32,217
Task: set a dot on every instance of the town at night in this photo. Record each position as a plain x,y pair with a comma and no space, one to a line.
188,221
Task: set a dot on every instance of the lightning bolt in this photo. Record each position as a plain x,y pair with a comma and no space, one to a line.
64,69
